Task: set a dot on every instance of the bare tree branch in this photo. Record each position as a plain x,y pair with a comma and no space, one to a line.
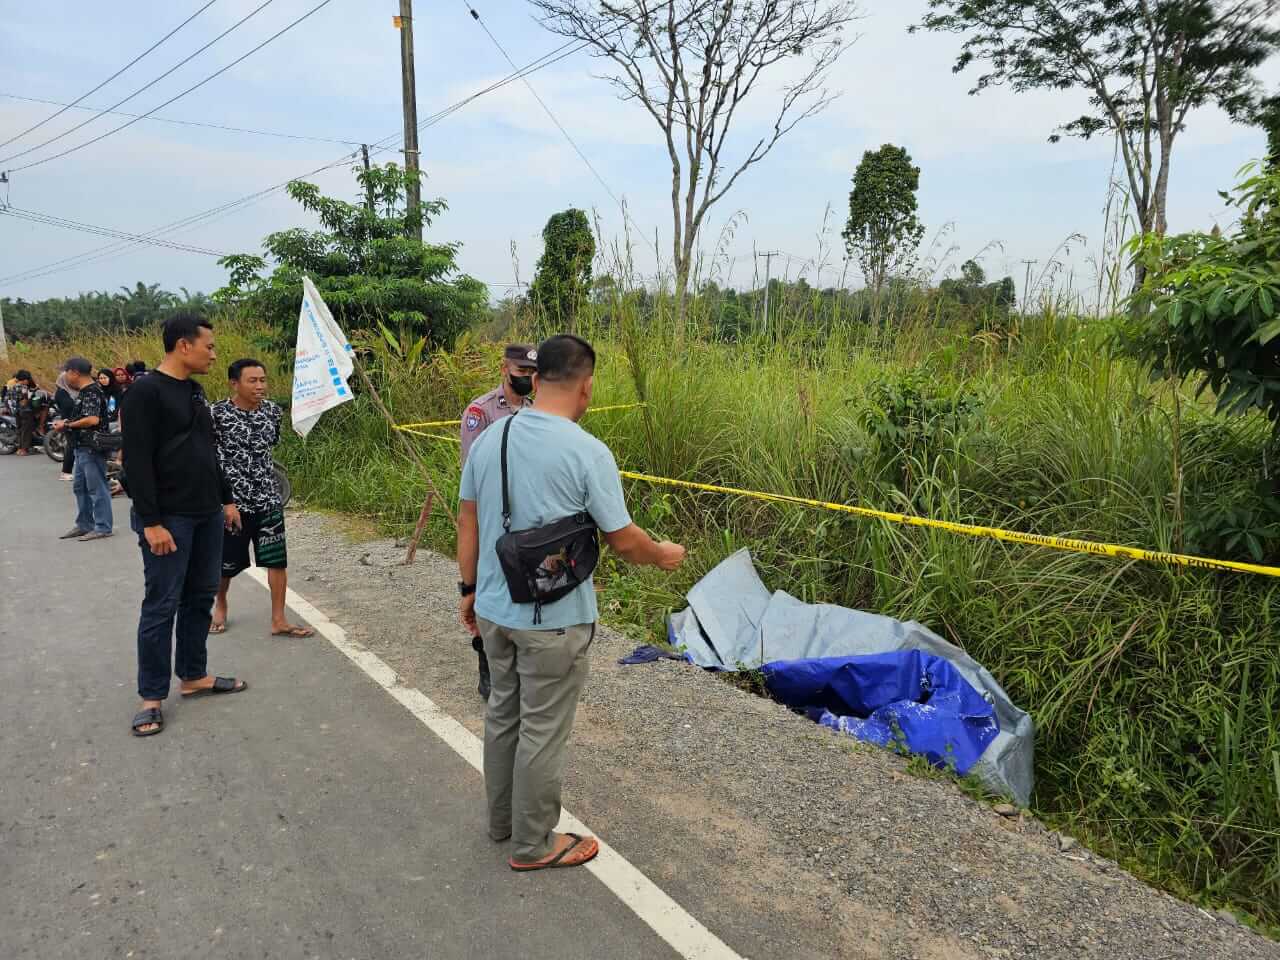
692,64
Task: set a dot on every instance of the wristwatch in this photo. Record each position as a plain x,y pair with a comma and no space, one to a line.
466,589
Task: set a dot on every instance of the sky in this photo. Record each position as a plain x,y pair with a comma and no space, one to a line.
991,186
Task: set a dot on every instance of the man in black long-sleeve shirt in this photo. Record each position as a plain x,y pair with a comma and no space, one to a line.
180,507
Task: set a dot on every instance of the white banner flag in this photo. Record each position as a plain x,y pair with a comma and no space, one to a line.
321,362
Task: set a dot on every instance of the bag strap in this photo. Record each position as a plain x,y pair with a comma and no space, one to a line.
506,497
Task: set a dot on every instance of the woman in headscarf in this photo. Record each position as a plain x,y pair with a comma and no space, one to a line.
111,390
64,398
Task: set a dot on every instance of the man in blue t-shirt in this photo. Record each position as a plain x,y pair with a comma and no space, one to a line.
539,665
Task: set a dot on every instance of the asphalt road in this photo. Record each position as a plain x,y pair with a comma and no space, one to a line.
311,816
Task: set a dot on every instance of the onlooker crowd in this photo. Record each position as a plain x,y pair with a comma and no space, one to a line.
537,495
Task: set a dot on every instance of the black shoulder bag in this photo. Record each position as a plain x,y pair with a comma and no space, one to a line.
98,438
543,564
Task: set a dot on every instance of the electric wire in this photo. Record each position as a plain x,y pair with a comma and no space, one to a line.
186,123
36,217
68,106
216,213
149,85
217,73
559,126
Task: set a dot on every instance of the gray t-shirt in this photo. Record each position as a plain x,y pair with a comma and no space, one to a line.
555,469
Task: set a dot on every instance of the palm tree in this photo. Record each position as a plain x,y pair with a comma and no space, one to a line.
199,302
144,304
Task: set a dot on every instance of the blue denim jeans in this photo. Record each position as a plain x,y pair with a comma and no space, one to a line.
180,585
93,496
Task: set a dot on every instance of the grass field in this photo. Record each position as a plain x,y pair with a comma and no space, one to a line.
1155,691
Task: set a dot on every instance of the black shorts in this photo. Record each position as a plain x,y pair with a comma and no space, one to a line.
266,532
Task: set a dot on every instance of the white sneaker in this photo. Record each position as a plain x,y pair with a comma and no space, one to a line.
65,476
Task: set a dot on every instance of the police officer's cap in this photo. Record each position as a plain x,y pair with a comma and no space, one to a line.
521,354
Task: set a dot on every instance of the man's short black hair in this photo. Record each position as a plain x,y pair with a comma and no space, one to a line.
183,325
565,358
240,366
23,375
136,366
80,365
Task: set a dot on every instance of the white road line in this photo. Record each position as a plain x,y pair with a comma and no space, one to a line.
668,919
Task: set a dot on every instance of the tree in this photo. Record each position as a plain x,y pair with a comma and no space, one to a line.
882,230
143,305
562,281
1268,118
692,65
1146,64
970,297
1211,304
364,263
140,306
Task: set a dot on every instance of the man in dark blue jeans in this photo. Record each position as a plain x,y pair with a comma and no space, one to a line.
181,505
89,418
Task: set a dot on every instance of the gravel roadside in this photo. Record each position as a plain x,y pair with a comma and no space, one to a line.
785,840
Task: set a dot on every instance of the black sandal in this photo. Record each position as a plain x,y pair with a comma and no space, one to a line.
220,685
145,718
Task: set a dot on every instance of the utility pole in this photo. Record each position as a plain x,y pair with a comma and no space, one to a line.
409,95
1026,285
4,344
768,260
368,188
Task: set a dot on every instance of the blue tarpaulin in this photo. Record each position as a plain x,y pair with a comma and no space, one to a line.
882,680
907,699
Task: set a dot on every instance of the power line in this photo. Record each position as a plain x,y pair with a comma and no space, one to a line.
217,73
313,10
554,119
187,59
380,146
185,123
186,223
49,220
68,106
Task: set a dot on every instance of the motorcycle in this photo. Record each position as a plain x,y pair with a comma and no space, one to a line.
282,482
54,444
51,441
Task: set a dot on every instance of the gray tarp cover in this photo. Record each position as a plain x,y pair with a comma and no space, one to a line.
734,623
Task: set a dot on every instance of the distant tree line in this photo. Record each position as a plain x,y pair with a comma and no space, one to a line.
143,305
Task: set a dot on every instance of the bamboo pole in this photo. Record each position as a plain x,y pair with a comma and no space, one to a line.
420,528
408,446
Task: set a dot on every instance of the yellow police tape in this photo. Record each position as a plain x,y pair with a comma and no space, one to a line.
455,423
969,530
430,436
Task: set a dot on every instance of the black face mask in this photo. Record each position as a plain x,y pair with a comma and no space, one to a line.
523,386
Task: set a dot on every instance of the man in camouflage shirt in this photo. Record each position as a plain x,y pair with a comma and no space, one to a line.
89,476
247,426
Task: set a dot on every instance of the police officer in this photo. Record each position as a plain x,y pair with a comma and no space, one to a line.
519,364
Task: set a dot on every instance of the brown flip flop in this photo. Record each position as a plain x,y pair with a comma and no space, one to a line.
298,632
582,850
